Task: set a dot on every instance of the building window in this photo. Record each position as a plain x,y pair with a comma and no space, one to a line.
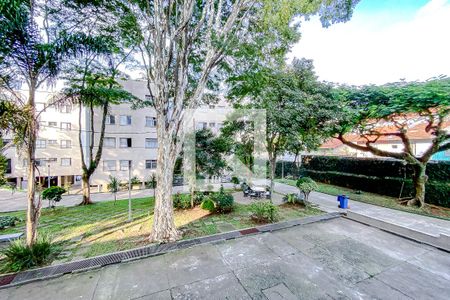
65,162
6,141
66,126
150,121
41,144
150,164
42,123
109,165
52,124
52,142
125,120
151,143
124,165
65,108
66,144
8,166
212,125
111,120
52,159
40,162
125,143
109,142
394,146
202,125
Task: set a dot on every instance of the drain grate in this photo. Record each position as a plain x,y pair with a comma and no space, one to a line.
249,231
4,280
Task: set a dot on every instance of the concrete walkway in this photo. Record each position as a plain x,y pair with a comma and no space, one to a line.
338,258
411,221
18,200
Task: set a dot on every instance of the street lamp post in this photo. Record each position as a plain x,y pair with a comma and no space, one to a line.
129,191
48,182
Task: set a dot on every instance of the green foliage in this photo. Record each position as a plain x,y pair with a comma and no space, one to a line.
293,199
18,256
151,182
181,201
8,221
53,193
210,153
113,184
198,198
134,180
381,176
306,185
264,211
235,180
208,204
224,202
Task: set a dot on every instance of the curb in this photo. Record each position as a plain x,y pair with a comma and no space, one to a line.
440,241
11,280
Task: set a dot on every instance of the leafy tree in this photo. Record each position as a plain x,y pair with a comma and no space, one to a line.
53,194
391,110
300,110
113,186
187,47
306,185
92,78
235,181
31,53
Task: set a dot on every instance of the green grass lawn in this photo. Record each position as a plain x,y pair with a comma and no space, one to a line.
385,201
100,228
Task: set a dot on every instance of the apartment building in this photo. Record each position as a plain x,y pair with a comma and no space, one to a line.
130,139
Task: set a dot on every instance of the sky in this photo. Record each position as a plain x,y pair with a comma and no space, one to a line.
385,41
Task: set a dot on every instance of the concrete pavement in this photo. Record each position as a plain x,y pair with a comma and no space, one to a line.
327,260
328,203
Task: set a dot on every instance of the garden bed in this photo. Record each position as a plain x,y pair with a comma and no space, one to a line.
101,228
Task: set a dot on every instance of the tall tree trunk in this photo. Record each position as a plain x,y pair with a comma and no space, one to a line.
86,188
164,229
420,178
32,215
273,165
32,208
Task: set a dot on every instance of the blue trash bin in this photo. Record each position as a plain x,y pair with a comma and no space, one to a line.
343,201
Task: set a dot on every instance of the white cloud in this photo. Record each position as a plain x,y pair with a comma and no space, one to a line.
380,48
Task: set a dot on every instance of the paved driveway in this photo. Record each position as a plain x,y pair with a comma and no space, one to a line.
328,260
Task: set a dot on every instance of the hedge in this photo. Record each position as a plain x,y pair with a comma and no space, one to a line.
381,176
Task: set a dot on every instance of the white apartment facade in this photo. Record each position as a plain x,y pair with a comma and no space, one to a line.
130,135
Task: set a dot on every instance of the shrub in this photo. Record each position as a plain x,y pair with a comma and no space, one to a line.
208,204
135,181
8,221
224,202
53,193
293,198
198,198
18,256
181,201
235,181
264,211
306,185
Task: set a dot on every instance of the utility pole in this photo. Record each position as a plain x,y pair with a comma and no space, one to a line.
129,191
48,181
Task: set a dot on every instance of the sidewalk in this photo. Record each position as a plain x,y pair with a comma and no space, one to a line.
18,200
328,203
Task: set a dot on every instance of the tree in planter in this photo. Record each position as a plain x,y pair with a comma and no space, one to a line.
53,194
306,185
113,186
183,43
392,111
32,53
